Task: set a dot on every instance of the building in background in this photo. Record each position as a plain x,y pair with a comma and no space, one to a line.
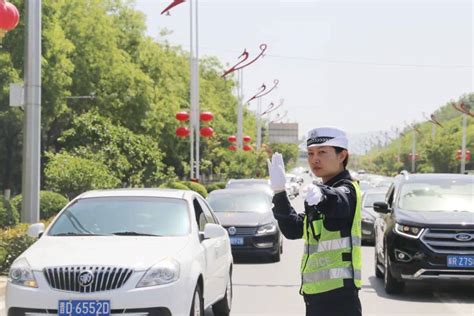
283,133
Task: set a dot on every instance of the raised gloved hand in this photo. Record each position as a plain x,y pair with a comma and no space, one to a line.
313,195
276,170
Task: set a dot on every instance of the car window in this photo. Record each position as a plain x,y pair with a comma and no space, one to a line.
370,198
200,216
229,202
442,195
390,194
112,215
207,212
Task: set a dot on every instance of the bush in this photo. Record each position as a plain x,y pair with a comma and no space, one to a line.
174,185
196,187
50,203
9,215
13,242
71,175
215,186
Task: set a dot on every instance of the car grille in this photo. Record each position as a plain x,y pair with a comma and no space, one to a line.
94,279
444,240
243,231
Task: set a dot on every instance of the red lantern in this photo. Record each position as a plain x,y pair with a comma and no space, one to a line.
247,139
182,116
232,139
232,148
206,116
182,131
9,17
247,147
207,131
468,155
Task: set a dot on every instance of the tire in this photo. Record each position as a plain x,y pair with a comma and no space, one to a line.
197,300
281,247
392,285
223,307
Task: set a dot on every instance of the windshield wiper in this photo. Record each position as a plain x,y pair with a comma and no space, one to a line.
133,234
77,234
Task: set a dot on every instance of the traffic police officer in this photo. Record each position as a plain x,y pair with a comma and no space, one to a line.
330,225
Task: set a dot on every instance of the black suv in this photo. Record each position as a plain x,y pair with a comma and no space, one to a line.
426,230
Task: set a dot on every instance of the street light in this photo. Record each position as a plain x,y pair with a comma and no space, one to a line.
194,84
239,66
262,92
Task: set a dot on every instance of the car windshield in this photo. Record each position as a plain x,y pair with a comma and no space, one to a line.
439,195
133,216
249,203
373,197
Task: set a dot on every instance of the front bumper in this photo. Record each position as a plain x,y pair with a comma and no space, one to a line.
258,244
411,259
164,300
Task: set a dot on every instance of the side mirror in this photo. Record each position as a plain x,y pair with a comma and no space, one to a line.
213,231
36,230
381,207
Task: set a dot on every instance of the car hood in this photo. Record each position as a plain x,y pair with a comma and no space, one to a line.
244,218
435,219
138,252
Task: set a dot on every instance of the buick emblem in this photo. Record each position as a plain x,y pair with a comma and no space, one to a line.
463,237
85,278
232,230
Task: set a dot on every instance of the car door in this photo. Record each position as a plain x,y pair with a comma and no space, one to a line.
209,247
218,262
385,223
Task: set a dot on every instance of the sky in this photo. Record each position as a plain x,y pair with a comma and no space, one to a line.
362,65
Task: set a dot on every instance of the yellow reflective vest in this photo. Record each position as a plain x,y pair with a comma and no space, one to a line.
331,258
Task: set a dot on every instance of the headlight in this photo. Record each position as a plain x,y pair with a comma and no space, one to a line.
267,229
164,272
21,274
408,231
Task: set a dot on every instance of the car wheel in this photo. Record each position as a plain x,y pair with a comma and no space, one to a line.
392,285
281,247
222,307
197,307
378,273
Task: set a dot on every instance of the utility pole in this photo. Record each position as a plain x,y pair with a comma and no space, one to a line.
32,120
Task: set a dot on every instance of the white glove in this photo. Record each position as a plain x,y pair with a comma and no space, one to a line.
314,195
276,170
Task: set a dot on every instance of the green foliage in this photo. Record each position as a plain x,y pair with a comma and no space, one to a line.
9,215
215,186
174,185
197,187
50,203
436,153
13,242
71,175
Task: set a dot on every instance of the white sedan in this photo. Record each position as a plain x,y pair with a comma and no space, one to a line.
128,251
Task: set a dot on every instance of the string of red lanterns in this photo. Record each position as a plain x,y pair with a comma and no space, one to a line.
183,131
9,17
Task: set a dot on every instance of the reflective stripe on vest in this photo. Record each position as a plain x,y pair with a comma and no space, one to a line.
334,244
336,273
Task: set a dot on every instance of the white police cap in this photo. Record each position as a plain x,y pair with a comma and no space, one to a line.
327,136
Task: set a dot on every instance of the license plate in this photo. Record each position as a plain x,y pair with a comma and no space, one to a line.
461,261
236,240
83,308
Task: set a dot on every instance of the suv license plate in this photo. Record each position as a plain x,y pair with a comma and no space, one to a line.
461,261
83,308
236,240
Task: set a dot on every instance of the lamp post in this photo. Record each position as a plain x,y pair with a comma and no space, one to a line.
262,92
239,66
194,84
32,120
